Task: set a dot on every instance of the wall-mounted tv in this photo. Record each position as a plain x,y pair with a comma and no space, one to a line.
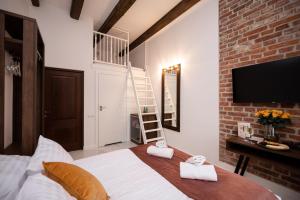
277,81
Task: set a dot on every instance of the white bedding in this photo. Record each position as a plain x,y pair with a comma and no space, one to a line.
126,177
40,187
12,175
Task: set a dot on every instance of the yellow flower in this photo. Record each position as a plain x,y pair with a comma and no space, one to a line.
257,114
285,116
277,112
266,113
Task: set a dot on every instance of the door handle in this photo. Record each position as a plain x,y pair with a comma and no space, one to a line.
101,108
46,112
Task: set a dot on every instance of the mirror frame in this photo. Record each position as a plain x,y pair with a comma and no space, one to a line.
178,73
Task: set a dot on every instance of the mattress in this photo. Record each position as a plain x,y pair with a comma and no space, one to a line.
126,177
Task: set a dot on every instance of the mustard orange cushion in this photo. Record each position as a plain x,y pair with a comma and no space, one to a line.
77,181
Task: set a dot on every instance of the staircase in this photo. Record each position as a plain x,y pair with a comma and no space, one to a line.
146,105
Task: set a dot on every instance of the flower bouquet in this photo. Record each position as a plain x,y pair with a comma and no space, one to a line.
272,119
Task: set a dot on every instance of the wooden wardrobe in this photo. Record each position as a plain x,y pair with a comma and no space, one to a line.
20,38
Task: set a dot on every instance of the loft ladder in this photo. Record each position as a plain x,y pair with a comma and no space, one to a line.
144,97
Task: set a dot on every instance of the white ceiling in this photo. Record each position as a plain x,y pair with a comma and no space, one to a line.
143,14
99,10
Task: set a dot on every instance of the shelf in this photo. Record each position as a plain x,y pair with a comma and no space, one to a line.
13,46
240,146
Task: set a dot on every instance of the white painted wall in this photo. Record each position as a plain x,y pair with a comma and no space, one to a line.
68,44
191,41
137,56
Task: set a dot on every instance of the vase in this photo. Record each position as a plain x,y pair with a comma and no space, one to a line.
270,134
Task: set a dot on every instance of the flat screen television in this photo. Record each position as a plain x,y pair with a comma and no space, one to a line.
271,82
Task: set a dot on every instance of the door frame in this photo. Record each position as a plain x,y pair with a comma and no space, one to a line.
114,72
82,98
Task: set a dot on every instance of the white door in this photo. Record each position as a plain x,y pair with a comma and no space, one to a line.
111,108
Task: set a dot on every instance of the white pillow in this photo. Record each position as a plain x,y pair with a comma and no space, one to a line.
40,187
47,151
12,175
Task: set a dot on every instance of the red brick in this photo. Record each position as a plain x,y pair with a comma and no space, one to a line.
255,31
295,137
286,130
266,171
294,112
266,32
281,170
281,27
270,53
292,5
246,58
270,58
293,54
285,20
286,49
283,44
274,28
268,37
250,109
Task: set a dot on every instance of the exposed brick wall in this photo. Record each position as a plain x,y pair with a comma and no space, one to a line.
257,31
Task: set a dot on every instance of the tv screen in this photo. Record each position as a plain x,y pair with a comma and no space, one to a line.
277,81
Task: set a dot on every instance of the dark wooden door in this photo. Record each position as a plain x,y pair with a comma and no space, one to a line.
63,108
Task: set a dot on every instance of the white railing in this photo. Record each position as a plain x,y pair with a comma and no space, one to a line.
111,49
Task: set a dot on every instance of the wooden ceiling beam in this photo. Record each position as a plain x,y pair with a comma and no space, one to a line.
175,12
119,10
76,8
35,3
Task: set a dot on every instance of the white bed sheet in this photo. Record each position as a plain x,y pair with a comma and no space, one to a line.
126,177
12,175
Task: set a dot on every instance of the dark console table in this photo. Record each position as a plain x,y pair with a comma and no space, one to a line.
247,150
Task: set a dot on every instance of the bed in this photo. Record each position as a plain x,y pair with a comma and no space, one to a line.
129,174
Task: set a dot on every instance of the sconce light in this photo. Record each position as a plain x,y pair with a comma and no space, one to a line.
171,68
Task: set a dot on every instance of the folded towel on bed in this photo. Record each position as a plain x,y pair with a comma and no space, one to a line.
160,152
201,172
196,160
161,144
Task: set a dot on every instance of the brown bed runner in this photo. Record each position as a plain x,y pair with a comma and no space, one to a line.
229,185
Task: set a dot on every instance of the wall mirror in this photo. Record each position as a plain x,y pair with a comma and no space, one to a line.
170,100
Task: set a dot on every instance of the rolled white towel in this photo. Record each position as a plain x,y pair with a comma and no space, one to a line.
201,172
160,152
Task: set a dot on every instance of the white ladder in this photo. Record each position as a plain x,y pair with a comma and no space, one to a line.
149,95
